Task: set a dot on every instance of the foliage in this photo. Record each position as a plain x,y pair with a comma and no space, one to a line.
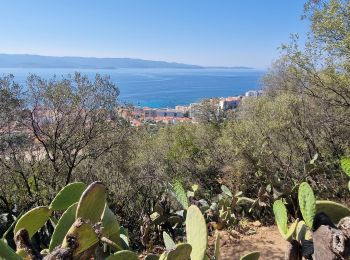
168,242
307,203
79,234
180,252
64,223
281,217
251,256
197,233
180,194
7,252
33,220
67,196
217,247
226,209
76,230
335,211
345,165
67,129
124,254
315,213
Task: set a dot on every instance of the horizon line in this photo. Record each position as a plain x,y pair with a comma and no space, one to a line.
134,58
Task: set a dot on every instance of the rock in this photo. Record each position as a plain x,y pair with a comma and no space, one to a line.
235,234
256,223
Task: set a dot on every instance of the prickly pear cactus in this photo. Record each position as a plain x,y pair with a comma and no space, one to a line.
67,196
110,224
195,187
251,256
88,223
151,257
281,217
217,247
65,222
33,220
226,190
307,203
227,218
6,252
124,238
83,234
168,241
302,232
291,230
335,211
197,232
180,194
123,255
85,225
345,165
180,252
94,195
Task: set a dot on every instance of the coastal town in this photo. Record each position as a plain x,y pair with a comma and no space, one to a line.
138,116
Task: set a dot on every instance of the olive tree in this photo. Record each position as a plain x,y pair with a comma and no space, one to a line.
69,117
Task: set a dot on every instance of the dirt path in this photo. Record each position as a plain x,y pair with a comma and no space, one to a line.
266,240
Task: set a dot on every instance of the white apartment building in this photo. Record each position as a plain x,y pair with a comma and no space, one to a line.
253,93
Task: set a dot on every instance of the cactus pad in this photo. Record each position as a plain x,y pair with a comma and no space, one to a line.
281,217
84,236
124,238
335,211
181,252
197,233
67,196
123,255
6,252
307,203
345,165
180,194
217,247
168,241
300,231
62,227
288,236
251,256
92,203
226,190
33,220
110,225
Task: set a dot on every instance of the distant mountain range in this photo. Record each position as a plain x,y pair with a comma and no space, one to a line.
38,61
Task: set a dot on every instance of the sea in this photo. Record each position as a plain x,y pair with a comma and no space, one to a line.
161,88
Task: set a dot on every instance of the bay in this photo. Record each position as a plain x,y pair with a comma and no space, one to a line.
162,87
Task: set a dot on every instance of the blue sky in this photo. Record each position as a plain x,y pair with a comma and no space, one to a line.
203,32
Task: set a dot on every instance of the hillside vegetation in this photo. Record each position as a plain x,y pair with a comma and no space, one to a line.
55,132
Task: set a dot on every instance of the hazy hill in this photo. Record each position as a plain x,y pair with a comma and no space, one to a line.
38,61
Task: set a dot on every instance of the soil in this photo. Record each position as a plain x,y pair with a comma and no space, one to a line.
233,244
266,240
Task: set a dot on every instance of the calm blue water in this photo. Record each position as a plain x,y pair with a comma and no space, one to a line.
163,87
